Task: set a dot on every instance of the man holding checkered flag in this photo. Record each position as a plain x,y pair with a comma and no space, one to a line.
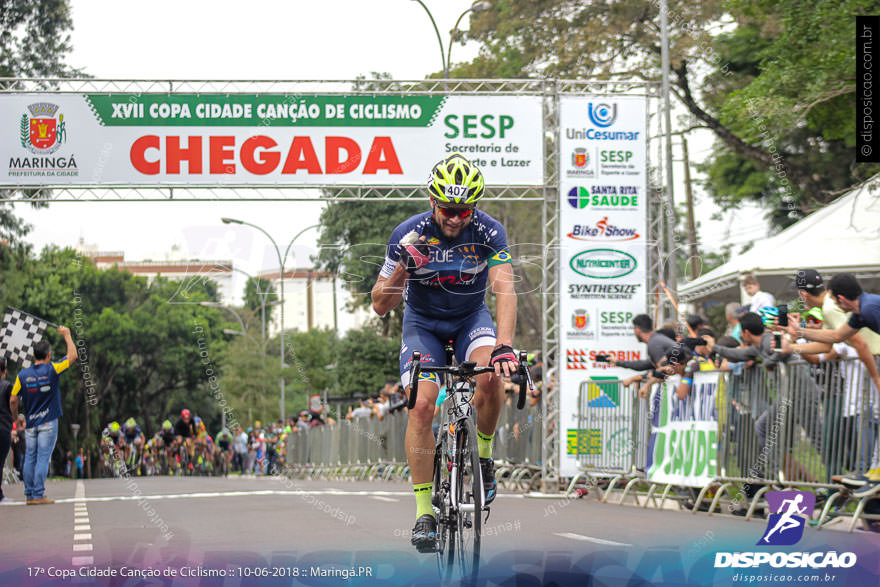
38,385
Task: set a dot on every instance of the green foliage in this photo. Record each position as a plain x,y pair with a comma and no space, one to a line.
35,38
141,354
353,241
772,79
256,292
367,360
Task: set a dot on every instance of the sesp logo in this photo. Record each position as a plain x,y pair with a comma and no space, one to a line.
602,115
790,511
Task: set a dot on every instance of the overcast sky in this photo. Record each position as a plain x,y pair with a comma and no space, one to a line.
220,39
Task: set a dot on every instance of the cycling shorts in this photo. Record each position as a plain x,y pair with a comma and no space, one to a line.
429,336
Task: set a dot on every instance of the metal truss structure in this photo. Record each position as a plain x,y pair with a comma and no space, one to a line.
548,195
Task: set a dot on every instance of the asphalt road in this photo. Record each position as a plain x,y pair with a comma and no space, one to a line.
307,532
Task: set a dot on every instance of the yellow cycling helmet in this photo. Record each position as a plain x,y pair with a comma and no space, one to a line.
456,180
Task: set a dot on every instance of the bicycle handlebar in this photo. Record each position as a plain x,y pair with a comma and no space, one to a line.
467,369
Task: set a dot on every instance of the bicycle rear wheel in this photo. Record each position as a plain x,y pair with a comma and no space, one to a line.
467,486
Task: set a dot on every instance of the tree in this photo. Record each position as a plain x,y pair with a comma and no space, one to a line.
256,292
353,240
250,379
369,359
745,69
35,38
141,355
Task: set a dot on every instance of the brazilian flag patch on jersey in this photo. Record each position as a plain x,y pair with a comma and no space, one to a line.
499,258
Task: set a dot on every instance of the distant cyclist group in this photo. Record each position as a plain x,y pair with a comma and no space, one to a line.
186,448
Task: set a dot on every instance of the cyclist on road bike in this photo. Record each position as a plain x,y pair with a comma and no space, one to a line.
440,261
133,437
112,435
184,432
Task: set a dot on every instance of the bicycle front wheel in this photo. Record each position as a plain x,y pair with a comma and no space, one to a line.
468,491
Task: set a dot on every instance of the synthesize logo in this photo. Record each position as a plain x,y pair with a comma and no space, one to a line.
579,197
602,115
580,158
789,513
602,231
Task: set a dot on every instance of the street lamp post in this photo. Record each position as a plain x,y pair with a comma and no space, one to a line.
281,264
446,56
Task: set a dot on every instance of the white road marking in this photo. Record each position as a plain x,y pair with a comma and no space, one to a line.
81,522
383,498
581,537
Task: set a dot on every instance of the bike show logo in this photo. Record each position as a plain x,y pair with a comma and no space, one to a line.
789,513
603,263
604,197
603,231
581,325
602,115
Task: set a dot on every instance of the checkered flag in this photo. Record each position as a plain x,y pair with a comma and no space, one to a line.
19,333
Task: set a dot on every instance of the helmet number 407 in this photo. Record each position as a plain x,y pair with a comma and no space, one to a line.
456,191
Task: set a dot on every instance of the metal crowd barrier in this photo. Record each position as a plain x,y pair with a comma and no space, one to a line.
371,449
795,426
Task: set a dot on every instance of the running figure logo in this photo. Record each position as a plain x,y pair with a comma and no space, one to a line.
792,510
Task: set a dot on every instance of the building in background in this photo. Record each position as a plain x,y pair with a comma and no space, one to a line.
174,267
309,302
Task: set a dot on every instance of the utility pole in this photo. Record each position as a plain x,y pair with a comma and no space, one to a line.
691,225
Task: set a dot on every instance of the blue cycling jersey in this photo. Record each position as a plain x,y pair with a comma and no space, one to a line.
453,283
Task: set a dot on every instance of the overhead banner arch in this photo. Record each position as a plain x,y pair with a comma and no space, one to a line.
293,140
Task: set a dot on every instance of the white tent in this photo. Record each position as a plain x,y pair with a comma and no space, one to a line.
843,237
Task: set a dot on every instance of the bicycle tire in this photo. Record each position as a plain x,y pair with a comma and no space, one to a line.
468,486
440,501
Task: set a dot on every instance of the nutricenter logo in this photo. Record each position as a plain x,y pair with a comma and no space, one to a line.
603,263
790,511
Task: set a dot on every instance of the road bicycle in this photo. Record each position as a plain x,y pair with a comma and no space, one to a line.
458,496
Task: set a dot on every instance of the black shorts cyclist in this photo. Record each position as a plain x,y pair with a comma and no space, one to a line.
444,259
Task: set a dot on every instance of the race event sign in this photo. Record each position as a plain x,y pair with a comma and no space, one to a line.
684,438
603,270
264,139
